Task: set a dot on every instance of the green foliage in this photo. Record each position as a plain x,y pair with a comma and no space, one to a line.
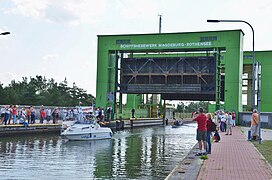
40,91
204,157
193,106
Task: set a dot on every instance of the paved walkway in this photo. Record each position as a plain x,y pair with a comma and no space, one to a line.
234,158
266,134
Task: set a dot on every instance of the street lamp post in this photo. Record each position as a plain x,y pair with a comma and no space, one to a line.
134,101
253,55
5,33
258,72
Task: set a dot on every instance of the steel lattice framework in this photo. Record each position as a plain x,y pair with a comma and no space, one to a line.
173,77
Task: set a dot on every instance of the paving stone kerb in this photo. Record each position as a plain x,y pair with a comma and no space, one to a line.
188,168
234,158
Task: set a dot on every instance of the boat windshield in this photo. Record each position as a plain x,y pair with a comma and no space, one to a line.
86,121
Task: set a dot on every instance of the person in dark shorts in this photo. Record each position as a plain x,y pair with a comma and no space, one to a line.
201,135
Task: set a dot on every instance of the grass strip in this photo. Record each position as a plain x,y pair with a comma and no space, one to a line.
265,148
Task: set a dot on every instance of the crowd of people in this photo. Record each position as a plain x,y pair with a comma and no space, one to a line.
209,126
13,114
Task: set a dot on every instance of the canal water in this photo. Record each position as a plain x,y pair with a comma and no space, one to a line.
140,153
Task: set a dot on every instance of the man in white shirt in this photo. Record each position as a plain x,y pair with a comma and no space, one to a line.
48,114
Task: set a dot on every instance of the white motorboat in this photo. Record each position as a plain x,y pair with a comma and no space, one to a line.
90,131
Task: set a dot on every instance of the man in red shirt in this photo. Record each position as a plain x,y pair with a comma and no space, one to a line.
201,131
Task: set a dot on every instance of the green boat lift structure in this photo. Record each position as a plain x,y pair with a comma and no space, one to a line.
139,71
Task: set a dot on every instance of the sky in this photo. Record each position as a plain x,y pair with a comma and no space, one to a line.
58,38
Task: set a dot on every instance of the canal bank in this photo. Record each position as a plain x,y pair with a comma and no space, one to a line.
235,158
188,168
19,129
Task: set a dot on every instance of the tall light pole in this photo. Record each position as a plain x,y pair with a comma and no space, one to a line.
160,22
253,55
5,33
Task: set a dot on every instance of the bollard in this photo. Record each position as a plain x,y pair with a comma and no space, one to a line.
166,122
131,123
249,135
117,125
122,125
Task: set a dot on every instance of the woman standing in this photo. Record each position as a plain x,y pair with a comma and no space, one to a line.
14,114
32,115
209,132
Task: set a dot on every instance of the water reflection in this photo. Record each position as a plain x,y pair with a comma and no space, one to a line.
143,153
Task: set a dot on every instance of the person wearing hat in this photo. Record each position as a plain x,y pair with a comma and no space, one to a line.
254,124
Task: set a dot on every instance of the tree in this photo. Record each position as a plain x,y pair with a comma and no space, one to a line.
40,91
192,107
181,107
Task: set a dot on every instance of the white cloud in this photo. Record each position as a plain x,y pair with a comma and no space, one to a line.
29,8
2,30
137,9
60,15
51,57
7,77
75,12
69,12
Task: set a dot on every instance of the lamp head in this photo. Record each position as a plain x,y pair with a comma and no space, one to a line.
5,33
213,21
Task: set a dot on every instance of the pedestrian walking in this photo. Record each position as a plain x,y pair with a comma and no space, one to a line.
229,125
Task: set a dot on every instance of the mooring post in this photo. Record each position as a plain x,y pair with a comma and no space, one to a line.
122,124
131,123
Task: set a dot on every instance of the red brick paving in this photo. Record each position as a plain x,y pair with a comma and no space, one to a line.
234,158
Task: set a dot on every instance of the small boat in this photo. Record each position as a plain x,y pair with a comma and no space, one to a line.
86,131
177,124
